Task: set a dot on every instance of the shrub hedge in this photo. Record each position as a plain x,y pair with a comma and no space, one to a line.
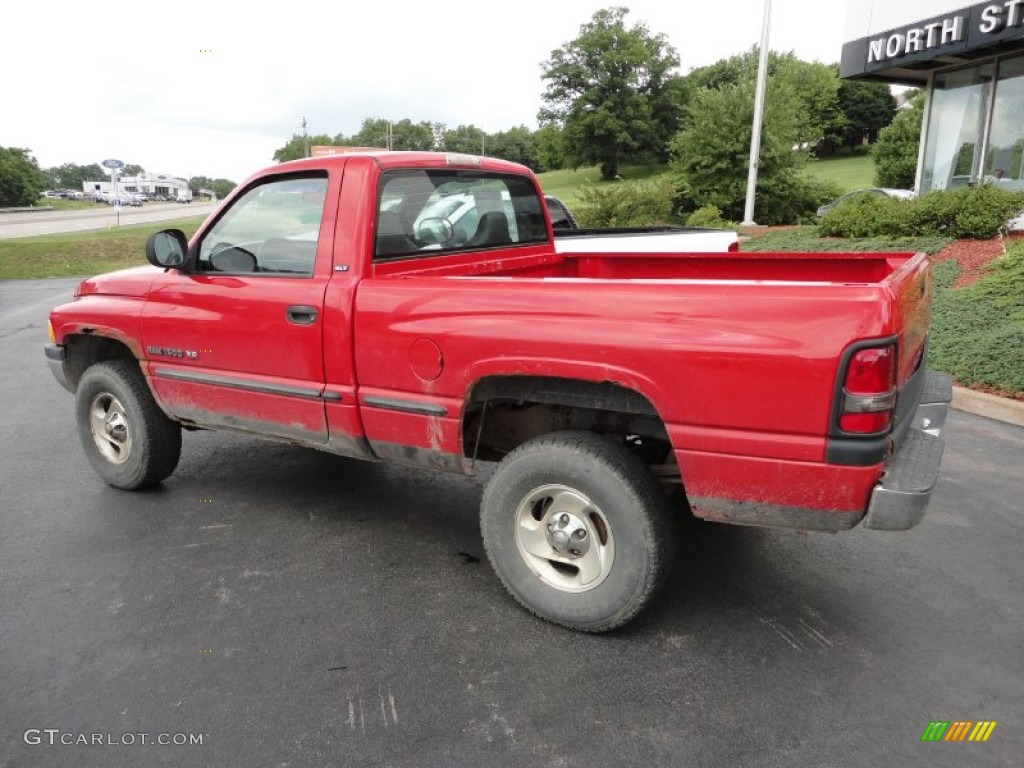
709,216
968,212
627,204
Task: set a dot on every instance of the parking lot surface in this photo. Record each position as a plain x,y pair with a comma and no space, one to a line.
291,608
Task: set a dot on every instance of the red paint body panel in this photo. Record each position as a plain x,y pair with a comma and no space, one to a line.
730,357
806,485
739,353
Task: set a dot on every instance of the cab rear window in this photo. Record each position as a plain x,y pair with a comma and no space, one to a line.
425,212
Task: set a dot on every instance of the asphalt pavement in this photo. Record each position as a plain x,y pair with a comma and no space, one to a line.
290,608
29,224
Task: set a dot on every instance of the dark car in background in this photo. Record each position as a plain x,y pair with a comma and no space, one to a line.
561,216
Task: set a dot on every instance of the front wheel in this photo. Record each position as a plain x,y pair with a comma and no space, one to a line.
577,529
127,438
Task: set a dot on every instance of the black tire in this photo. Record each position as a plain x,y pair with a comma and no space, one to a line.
129,441
578,481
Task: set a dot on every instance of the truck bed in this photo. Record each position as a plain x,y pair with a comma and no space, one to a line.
823,268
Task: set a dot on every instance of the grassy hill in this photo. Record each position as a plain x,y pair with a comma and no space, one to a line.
566,184
848,171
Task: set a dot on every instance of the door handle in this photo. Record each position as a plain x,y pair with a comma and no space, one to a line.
301,314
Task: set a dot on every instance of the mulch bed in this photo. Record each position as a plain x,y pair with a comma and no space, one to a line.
972,256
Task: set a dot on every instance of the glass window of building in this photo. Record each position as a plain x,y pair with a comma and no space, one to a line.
959,107
1004,158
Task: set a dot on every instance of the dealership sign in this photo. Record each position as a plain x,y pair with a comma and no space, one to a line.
978,26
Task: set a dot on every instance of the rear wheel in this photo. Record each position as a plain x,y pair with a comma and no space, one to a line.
577,529
127,438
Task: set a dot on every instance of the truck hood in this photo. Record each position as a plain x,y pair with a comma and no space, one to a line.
124,282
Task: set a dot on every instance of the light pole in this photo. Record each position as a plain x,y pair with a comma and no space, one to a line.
755,136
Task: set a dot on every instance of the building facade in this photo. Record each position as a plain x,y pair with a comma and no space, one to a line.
151,184
969,60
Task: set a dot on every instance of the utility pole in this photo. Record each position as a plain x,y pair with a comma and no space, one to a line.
755,137
305,138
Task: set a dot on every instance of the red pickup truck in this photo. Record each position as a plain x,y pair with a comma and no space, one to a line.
320,306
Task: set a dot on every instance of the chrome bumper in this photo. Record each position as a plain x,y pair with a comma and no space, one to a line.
55,357
900,499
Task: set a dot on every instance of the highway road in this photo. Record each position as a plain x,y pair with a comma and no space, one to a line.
287,607
101,217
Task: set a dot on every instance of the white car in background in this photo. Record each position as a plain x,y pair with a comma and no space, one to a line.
124,199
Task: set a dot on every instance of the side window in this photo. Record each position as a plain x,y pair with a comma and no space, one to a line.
426,212
272,229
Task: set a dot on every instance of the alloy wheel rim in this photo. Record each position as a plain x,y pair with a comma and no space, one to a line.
110,428
564,538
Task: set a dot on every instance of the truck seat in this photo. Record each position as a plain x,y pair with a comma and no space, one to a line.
492,230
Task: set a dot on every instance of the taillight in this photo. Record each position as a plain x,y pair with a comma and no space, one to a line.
869,391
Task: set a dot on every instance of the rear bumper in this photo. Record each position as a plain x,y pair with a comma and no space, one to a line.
55,358
900,499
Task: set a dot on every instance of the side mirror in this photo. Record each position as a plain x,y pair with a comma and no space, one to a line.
167,248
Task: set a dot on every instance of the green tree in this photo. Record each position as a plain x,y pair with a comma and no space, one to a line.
405,135
896,150
812,88
517,144
222,187
466,138
71,176
200,182
297,145
550,147
711,155
131,169
735,70
868,108
93,172
21,181
610,90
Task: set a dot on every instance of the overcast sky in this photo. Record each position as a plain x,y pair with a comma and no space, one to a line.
214,87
